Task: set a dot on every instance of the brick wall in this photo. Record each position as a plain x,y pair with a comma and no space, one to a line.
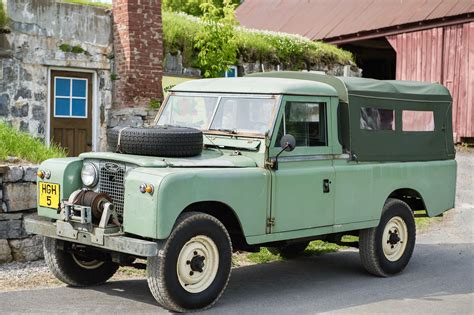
138,45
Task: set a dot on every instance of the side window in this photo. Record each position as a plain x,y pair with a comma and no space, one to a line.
377,119
306,122
415,120
70,97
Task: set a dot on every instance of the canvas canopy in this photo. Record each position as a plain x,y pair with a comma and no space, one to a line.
388,120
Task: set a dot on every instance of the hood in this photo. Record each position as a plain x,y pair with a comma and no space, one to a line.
208,158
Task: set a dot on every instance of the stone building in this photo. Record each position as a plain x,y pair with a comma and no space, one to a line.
59,62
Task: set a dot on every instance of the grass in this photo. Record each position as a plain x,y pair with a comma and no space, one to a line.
89,3
292,51
265,256
3,16
18,144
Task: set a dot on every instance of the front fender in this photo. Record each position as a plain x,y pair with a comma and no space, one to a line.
67,173
245,190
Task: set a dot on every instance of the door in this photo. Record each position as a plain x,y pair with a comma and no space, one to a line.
71,111
302,197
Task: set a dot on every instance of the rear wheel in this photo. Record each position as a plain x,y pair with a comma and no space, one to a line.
193,268
75,266
386,249
291,250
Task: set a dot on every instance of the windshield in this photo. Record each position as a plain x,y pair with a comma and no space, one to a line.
227,113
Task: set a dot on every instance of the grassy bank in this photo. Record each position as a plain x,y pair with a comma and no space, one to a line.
90,3
293,51
21,145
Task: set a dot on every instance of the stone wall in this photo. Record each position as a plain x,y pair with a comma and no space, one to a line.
31,46
173,65
18,200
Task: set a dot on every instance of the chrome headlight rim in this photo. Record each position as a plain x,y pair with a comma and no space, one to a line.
93,174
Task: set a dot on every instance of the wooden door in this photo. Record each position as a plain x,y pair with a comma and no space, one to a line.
71,111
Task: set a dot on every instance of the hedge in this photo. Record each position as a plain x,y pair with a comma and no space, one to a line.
291,51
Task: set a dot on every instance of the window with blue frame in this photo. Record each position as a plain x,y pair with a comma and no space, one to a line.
70,97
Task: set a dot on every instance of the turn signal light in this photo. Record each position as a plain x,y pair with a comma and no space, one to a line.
43,174
147,188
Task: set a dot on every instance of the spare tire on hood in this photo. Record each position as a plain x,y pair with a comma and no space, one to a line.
166,141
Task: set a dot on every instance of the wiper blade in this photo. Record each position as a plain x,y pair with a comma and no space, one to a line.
232,131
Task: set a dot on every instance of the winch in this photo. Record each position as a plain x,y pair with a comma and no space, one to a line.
87,206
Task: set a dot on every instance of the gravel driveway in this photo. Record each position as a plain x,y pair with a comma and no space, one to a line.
438,280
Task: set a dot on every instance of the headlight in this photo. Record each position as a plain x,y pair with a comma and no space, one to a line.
89,174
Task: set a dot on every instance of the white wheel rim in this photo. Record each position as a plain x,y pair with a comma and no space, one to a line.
92,264
197,264
395,238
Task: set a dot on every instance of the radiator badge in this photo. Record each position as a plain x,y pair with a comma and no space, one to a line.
112,167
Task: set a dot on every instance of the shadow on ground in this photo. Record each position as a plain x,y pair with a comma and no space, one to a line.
329,282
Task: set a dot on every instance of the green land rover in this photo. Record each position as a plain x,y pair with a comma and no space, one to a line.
270,160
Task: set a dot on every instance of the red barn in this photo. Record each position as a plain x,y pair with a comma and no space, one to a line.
422,40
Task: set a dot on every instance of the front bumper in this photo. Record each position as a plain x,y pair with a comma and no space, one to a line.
116,242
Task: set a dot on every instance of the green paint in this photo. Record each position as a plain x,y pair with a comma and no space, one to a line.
234,171
67,173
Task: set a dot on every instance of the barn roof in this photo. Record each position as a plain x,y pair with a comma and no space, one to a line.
330,20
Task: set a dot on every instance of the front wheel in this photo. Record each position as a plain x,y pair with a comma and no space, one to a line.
192,270
74,264
386,249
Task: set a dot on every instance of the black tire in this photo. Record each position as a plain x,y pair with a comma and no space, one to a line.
162,270
64,266
289,251
159,141
371,250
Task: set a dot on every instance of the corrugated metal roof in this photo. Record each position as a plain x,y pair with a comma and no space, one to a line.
322,19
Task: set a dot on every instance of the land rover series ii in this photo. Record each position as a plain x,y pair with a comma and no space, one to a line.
270,160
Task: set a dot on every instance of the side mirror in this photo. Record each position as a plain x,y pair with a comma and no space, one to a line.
287,143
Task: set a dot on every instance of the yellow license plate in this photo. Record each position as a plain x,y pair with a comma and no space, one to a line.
49,195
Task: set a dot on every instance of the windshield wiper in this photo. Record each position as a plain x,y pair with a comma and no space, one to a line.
232,131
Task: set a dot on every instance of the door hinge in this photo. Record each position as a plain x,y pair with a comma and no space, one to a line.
270,222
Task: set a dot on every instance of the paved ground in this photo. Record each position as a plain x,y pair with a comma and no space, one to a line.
438,280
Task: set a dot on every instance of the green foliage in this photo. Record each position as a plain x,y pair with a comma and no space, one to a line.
23,146
3,16
90,3
166,89
113,77
216,41
77,49
292,51
263,256
320,247
193,7
314,248
154,104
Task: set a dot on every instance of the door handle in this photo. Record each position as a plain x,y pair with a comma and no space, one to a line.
326,185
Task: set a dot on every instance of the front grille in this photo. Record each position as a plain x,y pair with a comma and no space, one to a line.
111,177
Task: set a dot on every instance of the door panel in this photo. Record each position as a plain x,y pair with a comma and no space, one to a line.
298,199
71,111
